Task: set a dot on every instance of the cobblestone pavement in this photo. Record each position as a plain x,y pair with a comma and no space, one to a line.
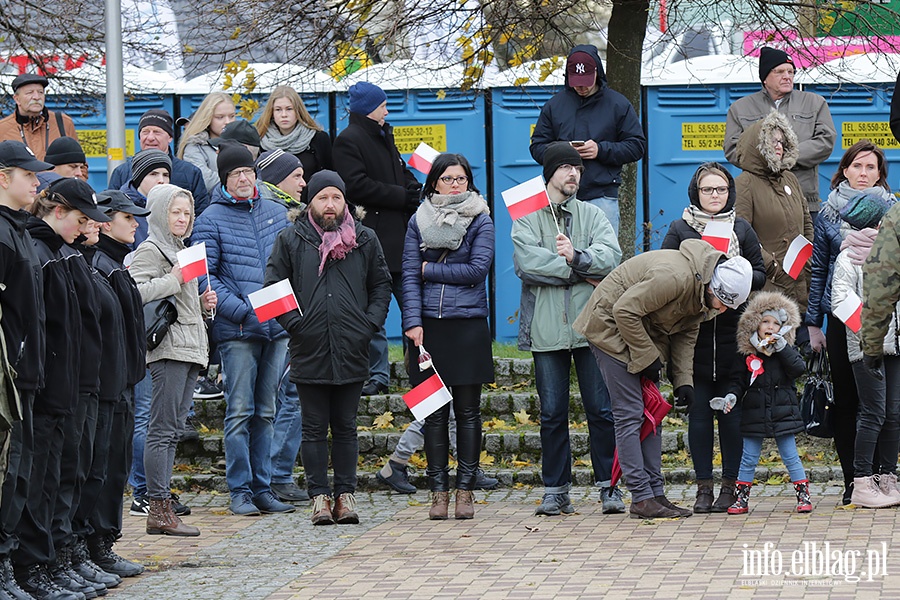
507,552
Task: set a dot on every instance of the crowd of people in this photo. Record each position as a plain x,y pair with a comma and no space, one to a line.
92,403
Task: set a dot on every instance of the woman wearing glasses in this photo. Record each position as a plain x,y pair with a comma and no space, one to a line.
711,194
769,196
447,254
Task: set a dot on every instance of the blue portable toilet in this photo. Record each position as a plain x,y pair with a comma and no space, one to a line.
427,105
686,105
514,112
858,90
144,89
314,87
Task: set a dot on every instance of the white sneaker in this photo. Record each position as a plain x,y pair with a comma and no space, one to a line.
867,494
887,482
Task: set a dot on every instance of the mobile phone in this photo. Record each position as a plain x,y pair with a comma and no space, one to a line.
577,143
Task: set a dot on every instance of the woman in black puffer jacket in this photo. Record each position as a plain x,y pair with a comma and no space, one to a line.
716,349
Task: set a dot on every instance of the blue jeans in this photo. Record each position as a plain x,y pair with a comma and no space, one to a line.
610,207
379,367
253,371
787,447
551,374
288,424
701,430
143,394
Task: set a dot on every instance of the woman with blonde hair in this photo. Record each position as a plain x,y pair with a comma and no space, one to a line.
285,124
214,113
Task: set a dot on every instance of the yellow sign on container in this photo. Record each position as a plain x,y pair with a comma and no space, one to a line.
877,132
702,136
408,137
93,142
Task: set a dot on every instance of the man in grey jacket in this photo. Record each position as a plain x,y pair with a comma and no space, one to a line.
560,252
807,113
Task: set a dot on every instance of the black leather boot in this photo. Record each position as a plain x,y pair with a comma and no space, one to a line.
35,581
8,581
102,554
84,566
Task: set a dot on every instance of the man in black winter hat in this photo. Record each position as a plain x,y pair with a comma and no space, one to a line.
807,112
67,157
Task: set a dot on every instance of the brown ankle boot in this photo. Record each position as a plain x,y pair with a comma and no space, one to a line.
726,497
343,510
465,504
163,520
439,504
704,496
322,514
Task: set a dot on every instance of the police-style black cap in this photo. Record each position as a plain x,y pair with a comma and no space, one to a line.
241,131
27,78
17,154
182,121
81,196
112,201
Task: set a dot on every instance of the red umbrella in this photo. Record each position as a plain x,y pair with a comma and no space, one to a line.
655,409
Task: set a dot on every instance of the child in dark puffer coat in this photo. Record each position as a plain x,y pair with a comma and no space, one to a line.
765,385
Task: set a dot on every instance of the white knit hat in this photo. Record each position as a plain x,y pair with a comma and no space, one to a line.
731,281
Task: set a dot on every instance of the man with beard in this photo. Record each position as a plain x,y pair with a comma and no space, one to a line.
338,272
560,252
31,123
239,229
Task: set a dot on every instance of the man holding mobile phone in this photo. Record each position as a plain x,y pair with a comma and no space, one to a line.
600,123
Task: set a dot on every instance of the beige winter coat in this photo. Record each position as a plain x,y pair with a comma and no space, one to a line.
186,340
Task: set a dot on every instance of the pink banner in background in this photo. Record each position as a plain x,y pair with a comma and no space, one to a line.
811,51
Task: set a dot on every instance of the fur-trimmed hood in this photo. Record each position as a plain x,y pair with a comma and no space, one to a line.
754,148
759,303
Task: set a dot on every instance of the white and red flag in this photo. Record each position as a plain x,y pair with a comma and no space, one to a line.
422,158
193,261
798,253
718,234
427,397
274,300
850,311
526,198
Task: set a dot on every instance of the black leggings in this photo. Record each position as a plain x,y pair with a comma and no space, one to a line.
467,406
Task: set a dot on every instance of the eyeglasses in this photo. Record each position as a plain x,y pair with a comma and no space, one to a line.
238,173
778,143
782,72
461,180
578,168
708,191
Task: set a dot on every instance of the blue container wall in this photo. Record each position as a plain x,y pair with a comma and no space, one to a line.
316,104
89,115
515,112
676,152
462,114
854,104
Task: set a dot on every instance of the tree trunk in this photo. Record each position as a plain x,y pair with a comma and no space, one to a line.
627,27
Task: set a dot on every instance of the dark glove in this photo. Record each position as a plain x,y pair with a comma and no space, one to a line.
874,364
413,196
684,396
652,372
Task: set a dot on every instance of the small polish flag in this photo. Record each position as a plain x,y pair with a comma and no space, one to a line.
850,311
422,158
798,253
427,397
526,198
192,261
718,233
274,300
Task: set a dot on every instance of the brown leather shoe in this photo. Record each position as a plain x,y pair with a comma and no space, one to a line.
322,510
440,502
704,496
682,512
651,509
726,497
163,520
343,511
465,504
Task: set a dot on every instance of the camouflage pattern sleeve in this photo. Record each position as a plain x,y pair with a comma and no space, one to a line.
881,284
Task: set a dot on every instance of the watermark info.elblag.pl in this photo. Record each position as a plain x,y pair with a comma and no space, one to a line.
812,564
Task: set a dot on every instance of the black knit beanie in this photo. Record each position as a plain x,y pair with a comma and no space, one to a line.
232,155
322,180
557,155
65,151
769,58
276,165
